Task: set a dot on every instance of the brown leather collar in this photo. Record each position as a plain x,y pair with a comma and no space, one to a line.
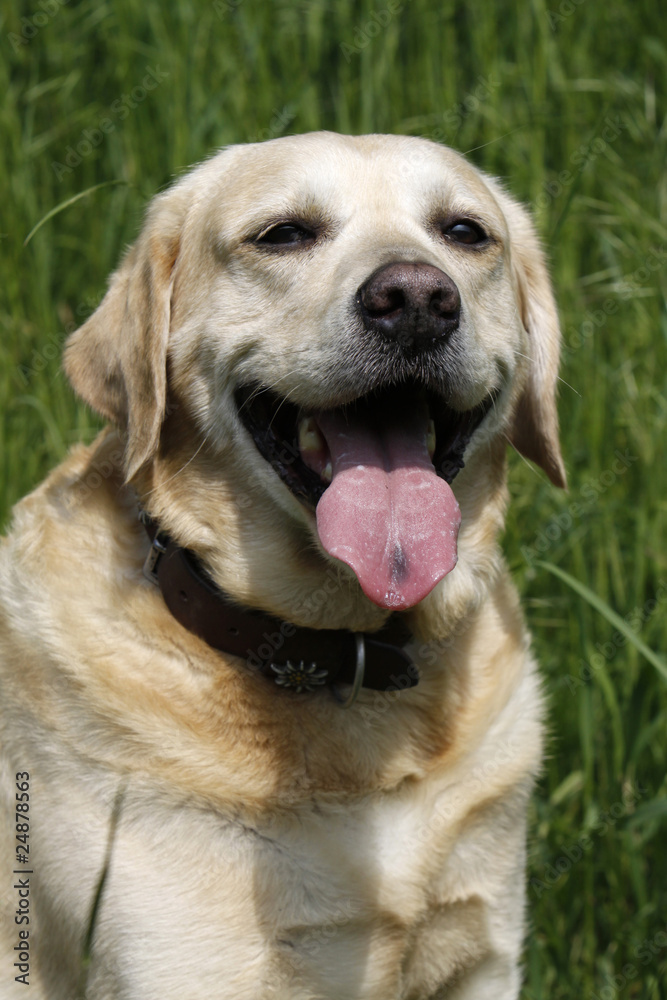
297,659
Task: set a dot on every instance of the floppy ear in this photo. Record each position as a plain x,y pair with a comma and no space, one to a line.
116,361
534,427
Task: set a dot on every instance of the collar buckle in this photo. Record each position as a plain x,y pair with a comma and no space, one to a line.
155,553
358,681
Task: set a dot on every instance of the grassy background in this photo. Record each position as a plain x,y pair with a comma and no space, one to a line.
567,103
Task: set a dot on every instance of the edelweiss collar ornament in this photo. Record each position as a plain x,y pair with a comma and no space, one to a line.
304,677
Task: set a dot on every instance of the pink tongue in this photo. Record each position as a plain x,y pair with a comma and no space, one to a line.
386,513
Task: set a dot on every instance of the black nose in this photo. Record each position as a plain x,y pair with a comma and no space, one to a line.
416,305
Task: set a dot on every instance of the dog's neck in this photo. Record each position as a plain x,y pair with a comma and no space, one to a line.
296,659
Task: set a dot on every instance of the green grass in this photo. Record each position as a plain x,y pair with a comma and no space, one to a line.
532,98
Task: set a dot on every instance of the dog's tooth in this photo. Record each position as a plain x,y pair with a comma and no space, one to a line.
327,473
430,438
310,438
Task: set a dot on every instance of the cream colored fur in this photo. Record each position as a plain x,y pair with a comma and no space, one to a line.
271,845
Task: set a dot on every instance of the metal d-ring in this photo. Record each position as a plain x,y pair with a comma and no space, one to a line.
358,675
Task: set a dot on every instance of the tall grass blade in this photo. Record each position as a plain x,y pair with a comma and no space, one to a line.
66,204
607,612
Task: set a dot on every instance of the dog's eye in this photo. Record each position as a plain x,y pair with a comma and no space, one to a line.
285,233
465,231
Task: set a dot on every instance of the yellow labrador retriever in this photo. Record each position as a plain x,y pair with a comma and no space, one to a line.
269,714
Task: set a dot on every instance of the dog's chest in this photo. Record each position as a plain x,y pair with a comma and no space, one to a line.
324,901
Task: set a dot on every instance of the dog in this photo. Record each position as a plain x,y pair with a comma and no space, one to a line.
270,719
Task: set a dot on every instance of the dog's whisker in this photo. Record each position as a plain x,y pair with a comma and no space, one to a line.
523,458
575,391
491,141
520,354
276,411
178,471
272,385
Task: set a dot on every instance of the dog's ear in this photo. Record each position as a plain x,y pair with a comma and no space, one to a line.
116,361
534,427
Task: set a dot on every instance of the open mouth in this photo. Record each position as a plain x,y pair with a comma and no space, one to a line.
377,473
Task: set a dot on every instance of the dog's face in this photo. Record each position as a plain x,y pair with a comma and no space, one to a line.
341,323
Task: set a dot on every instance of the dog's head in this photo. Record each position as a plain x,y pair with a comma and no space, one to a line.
338,325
